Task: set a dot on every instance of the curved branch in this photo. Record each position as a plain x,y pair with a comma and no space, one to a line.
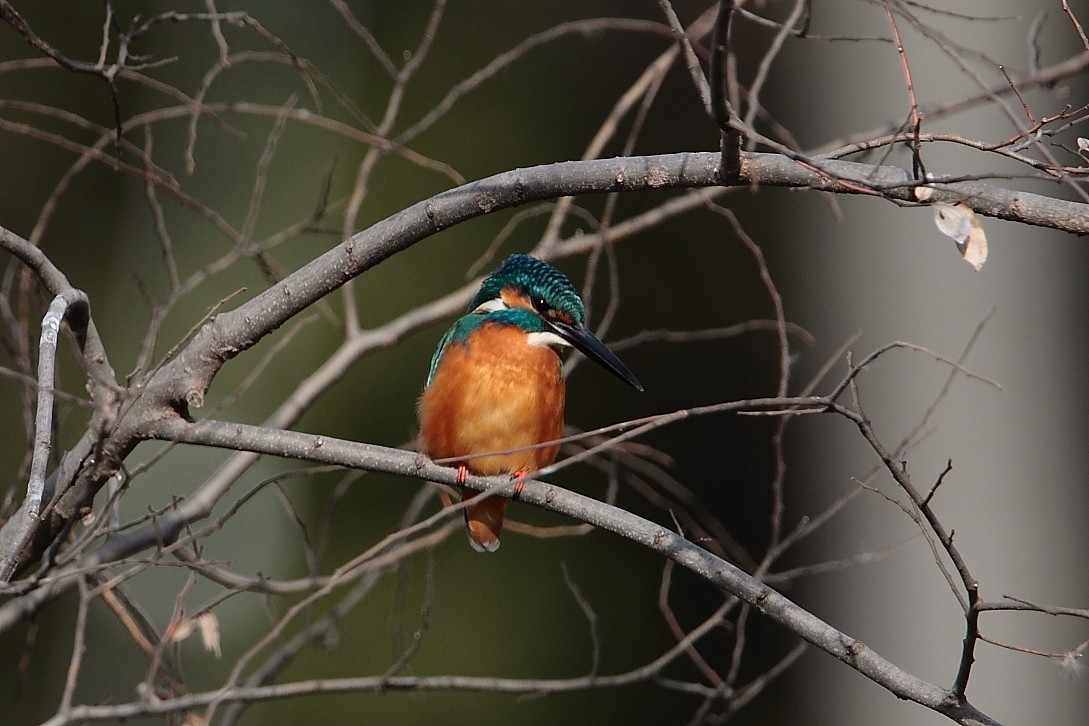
185,380
650,535
102,386
99,369
70,305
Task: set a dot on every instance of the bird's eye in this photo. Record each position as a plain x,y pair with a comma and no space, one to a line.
540,304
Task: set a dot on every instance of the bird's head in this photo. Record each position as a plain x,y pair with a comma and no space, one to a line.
524,282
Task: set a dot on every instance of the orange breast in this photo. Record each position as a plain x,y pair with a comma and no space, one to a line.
492,393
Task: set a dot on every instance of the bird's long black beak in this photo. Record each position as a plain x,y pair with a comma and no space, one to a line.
580,336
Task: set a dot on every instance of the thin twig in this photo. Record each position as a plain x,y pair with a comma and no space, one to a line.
719,81
591,620
1077,25
918,171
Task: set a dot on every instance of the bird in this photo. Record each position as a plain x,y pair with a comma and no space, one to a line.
494,398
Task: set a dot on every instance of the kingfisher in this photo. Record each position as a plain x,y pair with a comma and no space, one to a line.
494,398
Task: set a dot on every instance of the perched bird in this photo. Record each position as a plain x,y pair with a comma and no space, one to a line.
495,387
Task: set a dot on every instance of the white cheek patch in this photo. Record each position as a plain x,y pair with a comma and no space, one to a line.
491,306
547,340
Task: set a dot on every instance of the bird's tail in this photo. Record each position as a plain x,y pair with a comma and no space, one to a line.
484,521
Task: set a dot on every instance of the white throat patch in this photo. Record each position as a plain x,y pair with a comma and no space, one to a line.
547,340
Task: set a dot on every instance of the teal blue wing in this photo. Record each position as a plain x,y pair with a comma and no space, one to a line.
460,331
457,334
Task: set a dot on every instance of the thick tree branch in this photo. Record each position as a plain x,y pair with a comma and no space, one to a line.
185,380
312,447
715,570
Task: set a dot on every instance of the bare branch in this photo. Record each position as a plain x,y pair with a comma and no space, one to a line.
648,534
288,207
70,305
231,333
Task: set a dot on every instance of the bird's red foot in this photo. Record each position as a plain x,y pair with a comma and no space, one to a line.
463,472
518,486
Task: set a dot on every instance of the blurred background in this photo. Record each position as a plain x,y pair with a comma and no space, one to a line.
845,266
